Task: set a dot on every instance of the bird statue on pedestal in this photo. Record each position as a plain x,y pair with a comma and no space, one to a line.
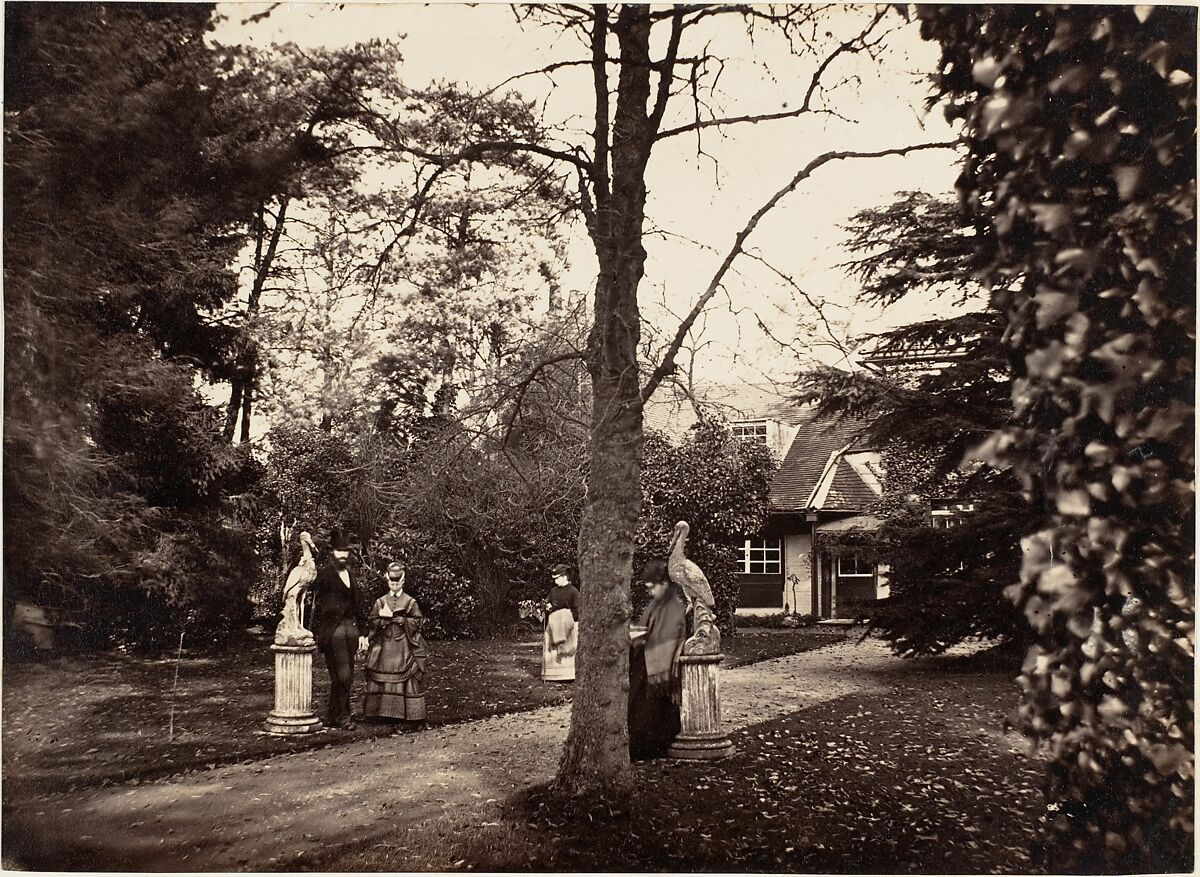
705,638
303,574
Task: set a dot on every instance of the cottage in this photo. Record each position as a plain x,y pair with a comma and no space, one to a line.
828,480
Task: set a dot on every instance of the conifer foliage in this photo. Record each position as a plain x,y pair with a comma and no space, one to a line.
935,390
120,197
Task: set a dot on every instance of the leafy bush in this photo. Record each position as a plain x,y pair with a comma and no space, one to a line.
491,520
448,601
776,620
718,484
773,621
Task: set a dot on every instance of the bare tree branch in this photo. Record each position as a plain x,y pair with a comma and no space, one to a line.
859,43
817,307
518,392
667,72
599,168
667,366
547,70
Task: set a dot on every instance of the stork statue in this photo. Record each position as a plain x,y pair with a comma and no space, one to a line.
705,638
291,630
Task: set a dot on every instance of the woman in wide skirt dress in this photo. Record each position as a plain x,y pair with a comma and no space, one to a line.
396,657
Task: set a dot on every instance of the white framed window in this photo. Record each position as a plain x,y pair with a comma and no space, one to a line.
944,519
762,557
751,430
852,566
947,515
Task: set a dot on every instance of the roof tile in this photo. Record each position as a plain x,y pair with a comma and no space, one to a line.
816,440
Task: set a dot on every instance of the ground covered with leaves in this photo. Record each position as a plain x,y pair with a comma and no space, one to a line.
81,721
923,778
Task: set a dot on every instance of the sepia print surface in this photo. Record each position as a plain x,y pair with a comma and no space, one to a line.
599,438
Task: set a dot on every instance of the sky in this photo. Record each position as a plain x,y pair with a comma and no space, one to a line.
698,204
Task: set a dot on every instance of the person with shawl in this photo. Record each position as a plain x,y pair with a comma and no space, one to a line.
656,642
560,636
395,655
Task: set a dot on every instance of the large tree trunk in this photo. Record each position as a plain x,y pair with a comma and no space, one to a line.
248,399
596,756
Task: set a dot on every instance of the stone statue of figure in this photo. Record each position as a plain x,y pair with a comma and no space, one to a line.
705,638
291,630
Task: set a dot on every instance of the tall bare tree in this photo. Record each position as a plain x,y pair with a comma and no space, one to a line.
648,87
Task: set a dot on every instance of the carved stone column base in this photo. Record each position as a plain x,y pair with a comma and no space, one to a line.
283,726
293,713
701,735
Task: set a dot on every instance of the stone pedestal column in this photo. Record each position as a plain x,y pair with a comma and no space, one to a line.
700,711
293,713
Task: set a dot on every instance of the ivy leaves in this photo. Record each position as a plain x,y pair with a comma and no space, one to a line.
1082,131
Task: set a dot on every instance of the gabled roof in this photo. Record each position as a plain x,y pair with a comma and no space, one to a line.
755,402
848,492
815,473
828,465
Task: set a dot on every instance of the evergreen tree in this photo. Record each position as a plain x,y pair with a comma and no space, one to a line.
122,201
936,390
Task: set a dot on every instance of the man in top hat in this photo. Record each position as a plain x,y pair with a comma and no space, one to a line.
339,627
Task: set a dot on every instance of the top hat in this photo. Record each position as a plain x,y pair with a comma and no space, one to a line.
339,540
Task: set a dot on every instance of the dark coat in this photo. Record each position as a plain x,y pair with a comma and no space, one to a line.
333,603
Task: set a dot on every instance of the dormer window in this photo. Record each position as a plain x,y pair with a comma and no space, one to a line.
751,431
945,515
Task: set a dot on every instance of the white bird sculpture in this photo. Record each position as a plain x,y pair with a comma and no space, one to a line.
705,638
303,574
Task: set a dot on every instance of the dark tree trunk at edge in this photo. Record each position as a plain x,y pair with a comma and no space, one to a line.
596,755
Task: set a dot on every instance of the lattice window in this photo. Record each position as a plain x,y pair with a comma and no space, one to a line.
762,557
751,430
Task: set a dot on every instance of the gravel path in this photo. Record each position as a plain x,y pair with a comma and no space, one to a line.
275,812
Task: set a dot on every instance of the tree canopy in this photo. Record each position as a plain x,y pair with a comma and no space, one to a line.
931,392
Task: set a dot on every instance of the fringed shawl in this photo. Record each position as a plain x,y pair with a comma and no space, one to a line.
665,630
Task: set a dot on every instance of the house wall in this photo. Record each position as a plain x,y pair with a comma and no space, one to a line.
797,572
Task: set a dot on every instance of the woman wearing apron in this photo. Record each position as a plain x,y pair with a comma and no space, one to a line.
560,636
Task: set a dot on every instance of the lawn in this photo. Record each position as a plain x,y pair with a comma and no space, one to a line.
920,779
78,721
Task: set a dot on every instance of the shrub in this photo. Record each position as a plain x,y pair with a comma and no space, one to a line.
447,601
